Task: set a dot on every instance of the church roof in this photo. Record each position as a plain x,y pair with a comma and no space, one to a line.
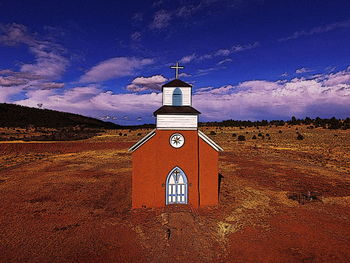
209,141
176,110
142,141
153,132
177,83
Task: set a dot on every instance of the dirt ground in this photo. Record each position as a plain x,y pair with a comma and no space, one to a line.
281,200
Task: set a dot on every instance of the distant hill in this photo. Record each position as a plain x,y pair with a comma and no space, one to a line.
12,115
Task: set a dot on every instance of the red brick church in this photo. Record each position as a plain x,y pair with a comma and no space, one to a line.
175,163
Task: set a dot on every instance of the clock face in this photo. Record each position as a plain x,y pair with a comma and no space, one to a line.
177,140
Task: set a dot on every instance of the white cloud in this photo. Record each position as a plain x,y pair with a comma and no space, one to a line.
323,96
52,85
187,59
302,70
12,81
224,52
341,77
258,99
93,101
317,30
161,19
226,60
114,68
217,91
153,83
136,36
184,75
49,61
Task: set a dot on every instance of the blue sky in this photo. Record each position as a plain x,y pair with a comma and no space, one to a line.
245,59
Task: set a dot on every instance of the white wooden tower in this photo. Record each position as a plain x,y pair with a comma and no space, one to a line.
177,111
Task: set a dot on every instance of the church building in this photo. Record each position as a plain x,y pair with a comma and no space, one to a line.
175,163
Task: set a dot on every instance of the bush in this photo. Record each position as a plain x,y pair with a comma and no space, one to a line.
241,138
279,131
254,137
139,134
125,134
212,133
267,135
300,137
120,134
260,135
234,135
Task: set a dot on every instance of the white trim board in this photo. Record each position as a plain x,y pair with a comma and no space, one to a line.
177,129
210,141
142,141
153,132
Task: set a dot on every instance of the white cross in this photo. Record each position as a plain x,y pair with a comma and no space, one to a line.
177,67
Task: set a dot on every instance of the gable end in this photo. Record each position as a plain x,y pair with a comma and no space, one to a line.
142,141
210,141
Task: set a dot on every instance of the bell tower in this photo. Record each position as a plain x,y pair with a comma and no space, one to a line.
177,112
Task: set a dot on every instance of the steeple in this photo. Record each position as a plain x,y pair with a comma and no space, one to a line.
177,112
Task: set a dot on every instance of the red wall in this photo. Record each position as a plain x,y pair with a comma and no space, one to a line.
152,162
208,170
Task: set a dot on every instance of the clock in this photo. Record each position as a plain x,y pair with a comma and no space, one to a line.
177,140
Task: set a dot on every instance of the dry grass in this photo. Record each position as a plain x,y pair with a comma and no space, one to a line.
70,201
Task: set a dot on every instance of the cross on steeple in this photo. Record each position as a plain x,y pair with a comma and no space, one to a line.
177,67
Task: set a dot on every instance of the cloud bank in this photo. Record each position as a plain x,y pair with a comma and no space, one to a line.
324,95
153,83
114,68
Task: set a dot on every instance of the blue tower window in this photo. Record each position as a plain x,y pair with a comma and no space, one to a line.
177,97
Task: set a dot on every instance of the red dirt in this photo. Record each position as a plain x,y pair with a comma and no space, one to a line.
70,202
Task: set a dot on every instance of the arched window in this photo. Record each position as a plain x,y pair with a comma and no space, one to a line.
176,187
177,97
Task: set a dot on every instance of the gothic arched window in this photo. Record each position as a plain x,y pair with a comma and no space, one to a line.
176,187
177,97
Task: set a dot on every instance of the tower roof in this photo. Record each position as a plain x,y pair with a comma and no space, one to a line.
176,110
177,83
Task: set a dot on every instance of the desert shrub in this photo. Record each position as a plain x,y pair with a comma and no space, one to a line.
241,138
269,138
260,135
300,137
139,134
254,137
279,131
267,135
246,132
120,134
241,128
212,133
125,134
234,135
